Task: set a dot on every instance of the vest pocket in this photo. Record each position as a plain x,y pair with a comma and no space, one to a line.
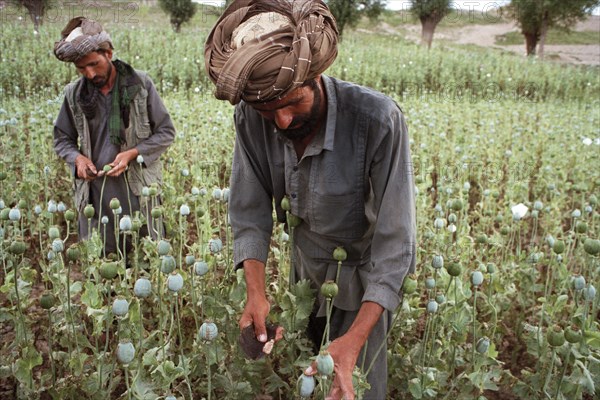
141,123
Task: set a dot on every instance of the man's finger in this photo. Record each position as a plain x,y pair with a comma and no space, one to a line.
260,330
279,333
245,321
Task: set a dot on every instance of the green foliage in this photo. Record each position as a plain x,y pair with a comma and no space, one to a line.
180,11
434,10
536,17
347,13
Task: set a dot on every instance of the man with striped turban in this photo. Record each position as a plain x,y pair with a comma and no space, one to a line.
338,153
111,116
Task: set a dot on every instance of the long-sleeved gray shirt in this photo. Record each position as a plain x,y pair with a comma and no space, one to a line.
353,187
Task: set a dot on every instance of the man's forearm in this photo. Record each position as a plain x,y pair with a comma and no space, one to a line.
254,271
363,324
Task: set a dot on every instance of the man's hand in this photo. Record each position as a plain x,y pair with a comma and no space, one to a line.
257,306
119,165
345,352
346,349
85,168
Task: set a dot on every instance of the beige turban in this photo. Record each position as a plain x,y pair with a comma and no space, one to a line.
80,37
261,50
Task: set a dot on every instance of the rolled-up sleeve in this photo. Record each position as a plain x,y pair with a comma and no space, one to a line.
163,131
250,202
393,248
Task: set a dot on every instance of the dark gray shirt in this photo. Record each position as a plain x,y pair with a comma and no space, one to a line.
353,187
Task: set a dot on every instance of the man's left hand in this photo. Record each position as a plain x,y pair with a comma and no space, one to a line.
344,353
119,165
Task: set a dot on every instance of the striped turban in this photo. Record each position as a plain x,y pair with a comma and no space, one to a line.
80,37
261,50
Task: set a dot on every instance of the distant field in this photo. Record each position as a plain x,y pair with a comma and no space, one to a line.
554,37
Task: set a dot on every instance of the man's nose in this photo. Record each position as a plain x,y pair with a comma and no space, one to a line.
283,118
89,73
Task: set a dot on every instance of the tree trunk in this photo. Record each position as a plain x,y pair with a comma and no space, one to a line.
531,40
543,34
36,11
427,29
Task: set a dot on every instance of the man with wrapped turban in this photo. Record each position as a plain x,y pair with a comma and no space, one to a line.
111,116
339,153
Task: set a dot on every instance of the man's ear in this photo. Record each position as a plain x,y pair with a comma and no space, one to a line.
109,54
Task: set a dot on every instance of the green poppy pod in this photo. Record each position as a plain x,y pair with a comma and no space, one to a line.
285,204
142,288
578,282
125,352
163,247
175,282
454,269
573,334
306,385
555,336
108,270
476,278
483,344
167,264
558,247
409,286
200,268
47,300
70,215
432,306
156,212
120,307
89,211
58,245
114,203
208,331
17,247
325,363
293,220
437,261
339,254
73,252
591,246
329,289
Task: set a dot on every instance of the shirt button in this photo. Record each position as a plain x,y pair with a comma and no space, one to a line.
295,168
293,195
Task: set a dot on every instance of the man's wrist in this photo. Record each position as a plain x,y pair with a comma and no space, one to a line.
254,272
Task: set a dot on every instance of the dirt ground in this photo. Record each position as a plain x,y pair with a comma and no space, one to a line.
485,35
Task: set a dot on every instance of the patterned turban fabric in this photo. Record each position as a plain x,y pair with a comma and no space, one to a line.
261,50
80,37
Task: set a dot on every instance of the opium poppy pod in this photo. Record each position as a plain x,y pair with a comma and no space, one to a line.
306,385
125,352
325,363
208,331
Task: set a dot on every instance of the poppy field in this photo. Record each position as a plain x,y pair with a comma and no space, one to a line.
504,301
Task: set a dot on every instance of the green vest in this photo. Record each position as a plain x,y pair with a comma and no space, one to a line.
139,129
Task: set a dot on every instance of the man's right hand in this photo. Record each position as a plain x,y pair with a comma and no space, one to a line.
257,306
85,168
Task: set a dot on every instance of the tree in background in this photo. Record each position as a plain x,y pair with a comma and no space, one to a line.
180,11
349,12
535,17
430,13
36,9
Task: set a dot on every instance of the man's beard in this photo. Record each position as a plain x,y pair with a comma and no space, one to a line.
99,82
307,123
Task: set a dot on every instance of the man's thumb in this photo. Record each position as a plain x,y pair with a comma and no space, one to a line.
260,330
